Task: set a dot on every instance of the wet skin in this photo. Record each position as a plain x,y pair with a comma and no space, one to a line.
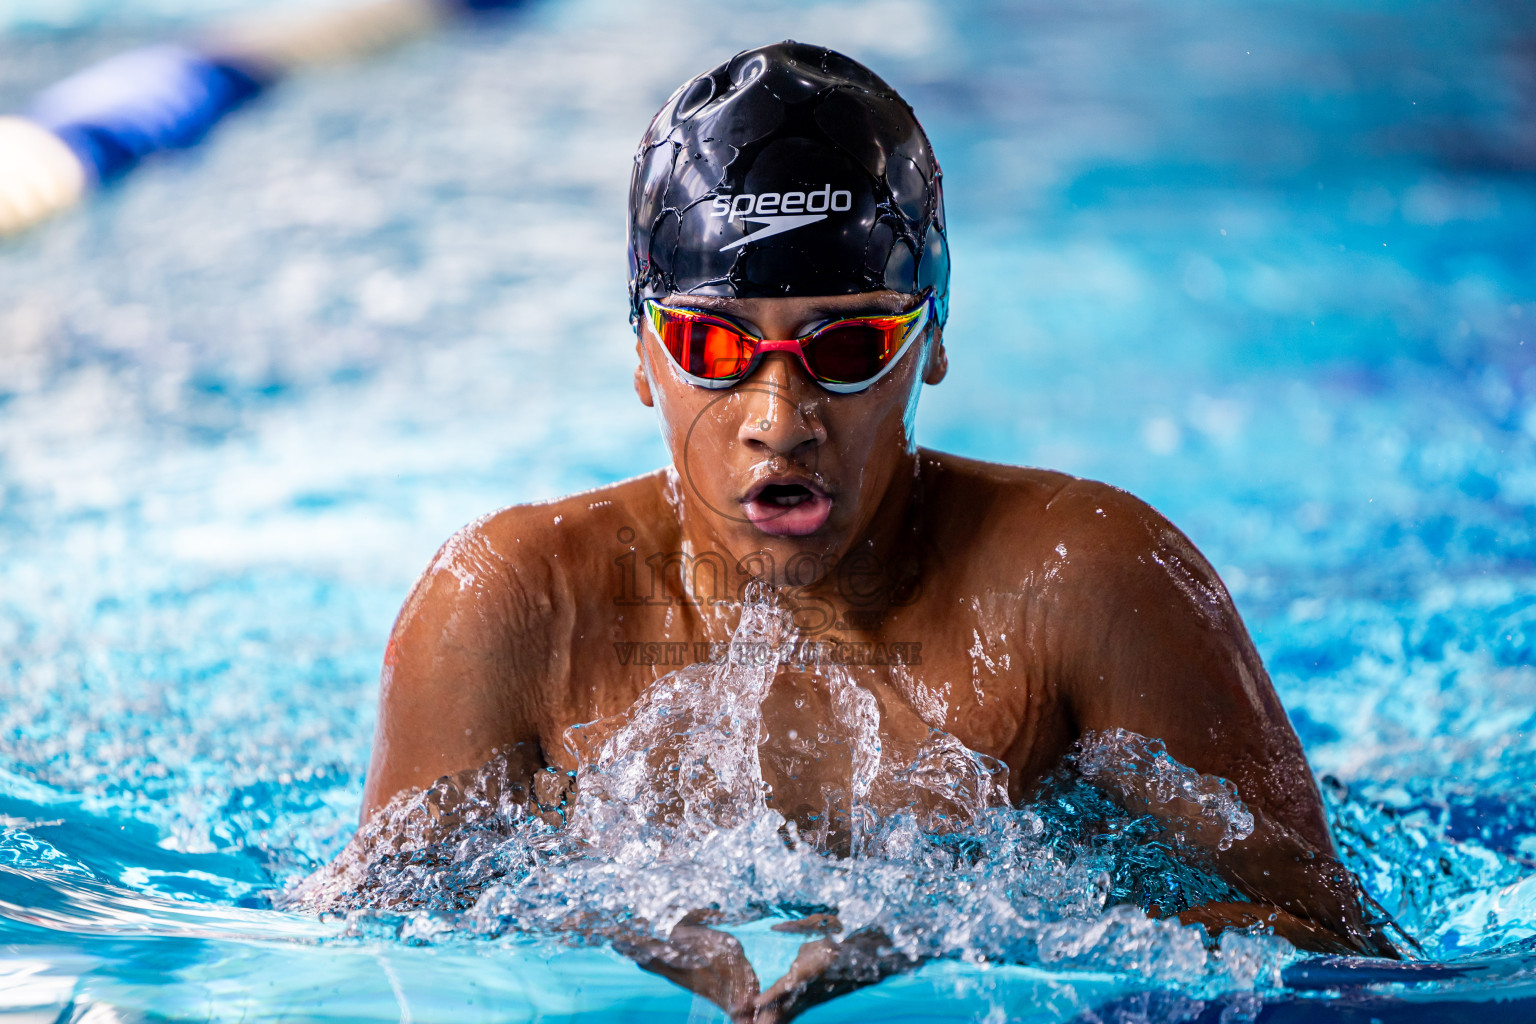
1029,607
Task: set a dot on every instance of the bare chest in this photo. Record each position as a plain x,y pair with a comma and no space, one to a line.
935,667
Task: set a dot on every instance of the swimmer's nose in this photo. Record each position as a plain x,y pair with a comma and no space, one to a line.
781,409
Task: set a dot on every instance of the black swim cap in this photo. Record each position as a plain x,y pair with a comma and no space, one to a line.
787,170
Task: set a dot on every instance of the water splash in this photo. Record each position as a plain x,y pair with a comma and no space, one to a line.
1207,810
673,819
685,755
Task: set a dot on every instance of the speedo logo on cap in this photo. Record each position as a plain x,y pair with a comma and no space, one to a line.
779,212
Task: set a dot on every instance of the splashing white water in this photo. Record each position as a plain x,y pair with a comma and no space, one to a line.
688,757
673,817
1206,809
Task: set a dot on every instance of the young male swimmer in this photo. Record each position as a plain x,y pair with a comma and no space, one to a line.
789,279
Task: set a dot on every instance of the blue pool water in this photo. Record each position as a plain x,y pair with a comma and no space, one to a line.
1269,266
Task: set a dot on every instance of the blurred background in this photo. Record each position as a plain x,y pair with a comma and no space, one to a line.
1268,265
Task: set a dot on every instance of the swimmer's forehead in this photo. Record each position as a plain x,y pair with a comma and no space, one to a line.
817,306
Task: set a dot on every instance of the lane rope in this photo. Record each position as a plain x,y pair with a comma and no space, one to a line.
96,126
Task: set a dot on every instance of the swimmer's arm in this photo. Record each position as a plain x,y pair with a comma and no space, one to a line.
827,968
462,671
1299,932
1160,650
704,961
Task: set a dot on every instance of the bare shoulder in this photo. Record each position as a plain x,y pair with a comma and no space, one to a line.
484,635
1020,518
539,548
504,591
1109,590
573,519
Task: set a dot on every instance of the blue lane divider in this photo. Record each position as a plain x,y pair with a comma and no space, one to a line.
167,97
161,97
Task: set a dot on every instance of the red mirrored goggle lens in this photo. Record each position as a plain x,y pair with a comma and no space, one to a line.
854,350
845,352
703,346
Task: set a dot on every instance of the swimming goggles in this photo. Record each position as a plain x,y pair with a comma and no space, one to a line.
843,356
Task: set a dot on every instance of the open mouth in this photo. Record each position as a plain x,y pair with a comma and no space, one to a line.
787,508
785,495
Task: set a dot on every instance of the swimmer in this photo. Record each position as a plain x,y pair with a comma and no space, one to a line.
789,284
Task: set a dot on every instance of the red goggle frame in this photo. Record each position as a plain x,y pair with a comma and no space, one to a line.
843,356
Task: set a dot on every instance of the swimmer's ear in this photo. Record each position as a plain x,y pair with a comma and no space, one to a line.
938,359
642,382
